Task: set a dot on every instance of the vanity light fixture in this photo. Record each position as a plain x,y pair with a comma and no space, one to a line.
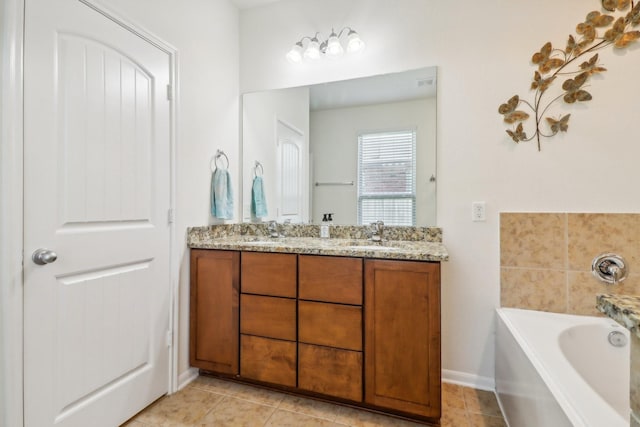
330,47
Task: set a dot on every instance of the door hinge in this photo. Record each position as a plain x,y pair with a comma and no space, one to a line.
170,216
169,338
169,93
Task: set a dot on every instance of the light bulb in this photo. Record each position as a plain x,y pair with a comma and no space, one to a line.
354,42
295,54
313,49
334,48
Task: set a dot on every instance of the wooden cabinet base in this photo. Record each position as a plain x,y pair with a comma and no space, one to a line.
268,360
302,326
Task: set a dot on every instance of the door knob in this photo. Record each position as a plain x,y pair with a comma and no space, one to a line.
44,256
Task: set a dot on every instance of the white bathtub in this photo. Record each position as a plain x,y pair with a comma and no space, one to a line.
557,370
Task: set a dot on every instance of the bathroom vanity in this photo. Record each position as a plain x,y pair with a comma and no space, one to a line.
339,319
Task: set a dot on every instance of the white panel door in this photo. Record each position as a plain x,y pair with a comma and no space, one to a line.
97,192
289,169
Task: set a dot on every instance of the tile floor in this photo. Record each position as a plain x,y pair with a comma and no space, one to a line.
213,402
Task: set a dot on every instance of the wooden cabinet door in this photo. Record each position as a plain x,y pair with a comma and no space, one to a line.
214,330
402,336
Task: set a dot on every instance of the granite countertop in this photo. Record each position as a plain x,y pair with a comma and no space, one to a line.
420,248
624,309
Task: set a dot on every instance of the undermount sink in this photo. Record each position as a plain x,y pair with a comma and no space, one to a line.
264,242
370,244
374,247
348,244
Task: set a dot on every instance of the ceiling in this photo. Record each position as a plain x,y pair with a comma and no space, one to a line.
248,4
394,87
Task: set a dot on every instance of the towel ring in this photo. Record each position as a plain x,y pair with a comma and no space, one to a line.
255,169
214,162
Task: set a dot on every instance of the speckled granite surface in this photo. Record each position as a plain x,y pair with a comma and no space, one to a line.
417,243
624,309
428,234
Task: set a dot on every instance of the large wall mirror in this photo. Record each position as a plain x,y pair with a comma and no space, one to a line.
362,149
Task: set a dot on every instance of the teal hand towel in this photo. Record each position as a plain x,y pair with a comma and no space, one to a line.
221,194
258,200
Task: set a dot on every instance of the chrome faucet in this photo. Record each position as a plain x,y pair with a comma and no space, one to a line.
377,229
610,268
272,228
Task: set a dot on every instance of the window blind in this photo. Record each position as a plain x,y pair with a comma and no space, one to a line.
387,177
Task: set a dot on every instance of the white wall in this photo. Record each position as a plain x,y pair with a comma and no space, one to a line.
261,110
205,33
334,147
482,50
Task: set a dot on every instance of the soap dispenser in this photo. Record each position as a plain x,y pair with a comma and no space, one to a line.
324,227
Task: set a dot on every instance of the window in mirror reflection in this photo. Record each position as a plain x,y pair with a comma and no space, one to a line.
387,177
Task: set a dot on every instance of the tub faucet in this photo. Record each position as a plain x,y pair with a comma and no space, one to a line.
377,229
272,228
615,273
610,268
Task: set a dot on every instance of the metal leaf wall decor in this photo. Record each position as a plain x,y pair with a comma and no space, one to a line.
614,26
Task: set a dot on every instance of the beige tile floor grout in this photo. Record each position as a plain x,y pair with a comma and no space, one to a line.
210,401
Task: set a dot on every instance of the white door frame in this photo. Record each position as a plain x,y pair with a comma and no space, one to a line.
11,217
11,201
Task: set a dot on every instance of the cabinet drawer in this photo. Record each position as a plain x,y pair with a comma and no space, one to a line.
330,371
332,325
269,274
271,317
268,360
331,279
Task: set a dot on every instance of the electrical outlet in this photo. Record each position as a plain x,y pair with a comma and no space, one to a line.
478,211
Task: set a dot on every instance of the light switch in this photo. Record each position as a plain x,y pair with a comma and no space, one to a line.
478,211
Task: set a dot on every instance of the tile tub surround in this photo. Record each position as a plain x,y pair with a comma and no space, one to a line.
545,259
415,245
625,309
210,401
